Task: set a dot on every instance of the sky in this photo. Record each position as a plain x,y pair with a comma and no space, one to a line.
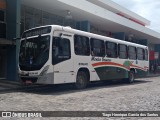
149,9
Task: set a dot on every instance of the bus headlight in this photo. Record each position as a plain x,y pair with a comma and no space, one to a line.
23,73
44,70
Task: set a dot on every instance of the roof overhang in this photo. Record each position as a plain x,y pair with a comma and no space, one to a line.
117,9
97,15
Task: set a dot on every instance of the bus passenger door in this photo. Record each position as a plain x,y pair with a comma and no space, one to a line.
62,60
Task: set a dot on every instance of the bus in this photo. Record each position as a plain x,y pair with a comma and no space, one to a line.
56,54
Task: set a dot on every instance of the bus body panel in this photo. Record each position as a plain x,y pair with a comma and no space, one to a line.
100,68
110,69
84,62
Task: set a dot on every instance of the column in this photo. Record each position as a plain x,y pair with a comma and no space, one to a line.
13,17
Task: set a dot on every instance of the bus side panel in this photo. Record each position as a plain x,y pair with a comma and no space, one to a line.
110,68
142,69
84,62
46,79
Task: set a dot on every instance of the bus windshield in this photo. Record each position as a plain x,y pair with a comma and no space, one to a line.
34,53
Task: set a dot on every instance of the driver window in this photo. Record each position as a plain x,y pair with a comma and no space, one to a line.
60,50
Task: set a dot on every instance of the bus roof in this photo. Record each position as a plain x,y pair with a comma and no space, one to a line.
91,35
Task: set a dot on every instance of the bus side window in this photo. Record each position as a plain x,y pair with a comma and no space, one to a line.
81,45
97,47
123,54
60,50
111,49
140,54
132,53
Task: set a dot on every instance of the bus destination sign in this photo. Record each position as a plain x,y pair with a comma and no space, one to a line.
37,31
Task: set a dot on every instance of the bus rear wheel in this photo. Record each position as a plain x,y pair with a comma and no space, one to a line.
131,77
81,80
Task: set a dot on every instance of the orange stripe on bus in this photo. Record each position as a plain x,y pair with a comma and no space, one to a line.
108,63
116,64
138,67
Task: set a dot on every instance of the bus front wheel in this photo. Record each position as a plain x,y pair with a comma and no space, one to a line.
81,80
131,76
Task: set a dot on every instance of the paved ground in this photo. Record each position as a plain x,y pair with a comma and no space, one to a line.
143,95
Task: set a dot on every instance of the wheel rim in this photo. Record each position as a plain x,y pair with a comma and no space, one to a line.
80,80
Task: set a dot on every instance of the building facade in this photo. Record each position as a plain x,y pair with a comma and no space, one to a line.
97,16
9,29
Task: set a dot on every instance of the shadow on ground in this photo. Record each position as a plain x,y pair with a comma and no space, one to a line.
70,88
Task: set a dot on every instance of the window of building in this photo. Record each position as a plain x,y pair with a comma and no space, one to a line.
123,51
111,49
2,30
132,53
22,19
57,20
2,24
97,47
46,18
2,11
61,50
81,45
2,16
140,54
29,18
146,55
37,17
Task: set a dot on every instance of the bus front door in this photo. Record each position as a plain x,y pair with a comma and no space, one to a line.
62,60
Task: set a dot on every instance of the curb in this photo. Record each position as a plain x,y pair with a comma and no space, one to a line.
20,88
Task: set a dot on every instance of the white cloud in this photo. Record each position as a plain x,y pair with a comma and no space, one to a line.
148,9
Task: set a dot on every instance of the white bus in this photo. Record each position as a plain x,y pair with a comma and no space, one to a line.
56,55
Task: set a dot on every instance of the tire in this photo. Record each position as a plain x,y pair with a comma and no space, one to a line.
131,77
81,80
